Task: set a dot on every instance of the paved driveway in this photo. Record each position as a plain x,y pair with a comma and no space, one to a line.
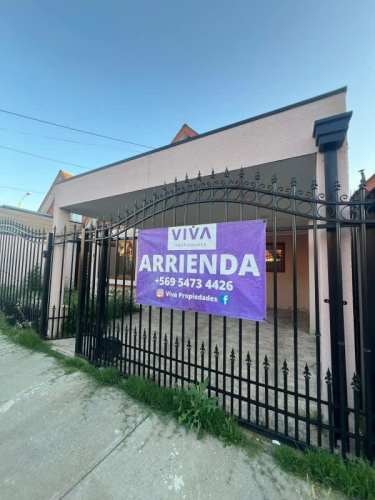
63,437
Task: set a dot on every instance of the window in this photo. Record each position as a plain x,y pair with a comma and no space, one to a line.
124,259
280,257
76,218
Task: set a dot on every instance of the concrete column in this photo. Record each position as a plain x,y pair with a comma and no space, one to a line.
61,219
323,326
322,258
324,311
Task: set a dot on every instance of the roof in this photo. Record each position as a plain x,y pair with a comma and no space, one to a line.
25,211
185,132
61,176
370,183
65,175
217,130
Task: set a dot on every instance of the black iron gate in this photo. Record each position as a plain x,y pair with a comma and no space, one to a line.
293,376
303,375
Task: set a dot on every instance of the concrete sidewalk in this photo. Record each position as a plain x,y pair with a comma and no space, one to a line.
63,437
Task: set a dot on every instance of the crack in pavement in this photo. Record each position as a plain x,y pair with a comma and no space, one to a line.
100,461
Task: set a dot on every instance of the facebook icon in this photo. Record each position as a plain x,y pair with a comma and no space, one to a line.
224,298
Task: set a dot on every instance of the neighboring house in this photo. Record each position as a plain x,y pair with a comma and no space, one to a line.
28,218
184,133
370,187
42,219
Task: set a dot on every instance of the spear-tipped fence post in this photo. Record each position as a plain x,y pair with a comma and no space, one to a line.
82,293
47,254
101,294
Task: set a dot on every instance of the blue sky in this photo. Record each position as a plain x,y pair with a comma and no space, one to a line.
138,70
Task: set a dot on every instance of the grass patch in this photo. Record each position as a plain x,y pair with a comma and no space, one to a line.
192,407
353,477
26,337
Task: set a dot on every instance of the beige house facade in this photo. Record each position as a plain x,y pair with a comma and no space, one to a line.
287,142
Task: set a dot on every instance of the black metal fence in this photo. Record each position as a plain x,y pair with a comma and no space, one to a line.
26,262
21,272
303,375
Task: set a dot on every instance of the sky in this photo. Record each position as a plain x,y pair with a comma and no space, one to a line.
138,70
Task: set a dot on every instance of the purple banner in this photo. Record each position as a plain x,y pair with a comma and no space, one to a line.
211,268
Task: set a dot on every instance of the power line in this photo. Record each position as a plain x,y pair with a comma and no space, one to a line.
13,188
81,131
43,157
59,139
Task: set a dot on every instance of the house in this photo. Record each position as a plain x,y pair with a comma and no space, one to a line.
305,141
287,168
